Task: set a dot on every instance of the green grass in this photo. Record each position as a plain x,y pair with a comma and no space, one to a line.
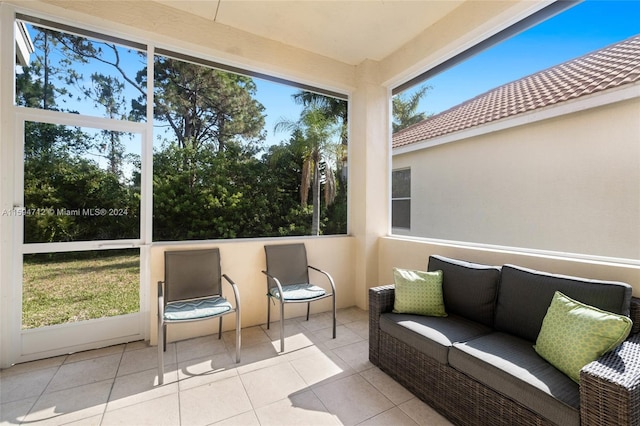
70,287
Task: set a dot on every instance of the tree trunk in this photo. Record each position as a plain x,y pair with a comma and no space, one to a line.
315,193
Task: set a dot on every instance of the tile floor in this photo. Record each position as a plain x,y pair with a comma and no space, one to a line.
317,381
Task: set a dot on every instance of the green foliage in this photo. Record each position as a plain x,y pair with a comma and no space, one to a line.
72,199
405,109
208,182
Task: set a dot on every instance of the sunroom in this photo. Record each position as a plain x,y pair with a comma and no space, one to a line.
358,52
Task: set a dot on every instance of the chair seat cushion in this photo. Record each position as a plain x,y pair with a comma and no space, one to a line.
298,291
196,309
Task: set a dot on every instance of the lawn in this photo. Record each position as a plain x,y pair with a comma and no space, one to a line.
70,287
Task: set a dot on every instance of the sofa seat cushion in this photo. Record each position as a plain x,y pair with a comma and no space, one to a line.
432,336
510,365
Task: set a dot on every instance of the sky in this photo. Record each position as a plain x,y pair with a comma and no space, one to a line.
588,26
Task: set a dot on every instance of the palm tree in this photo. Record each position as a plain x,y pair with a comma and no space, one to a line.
315,145
405,109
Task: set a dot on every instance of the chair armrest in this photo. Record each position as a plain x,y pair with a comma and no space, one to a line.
275,280
236,292
380,301
326,274
610,386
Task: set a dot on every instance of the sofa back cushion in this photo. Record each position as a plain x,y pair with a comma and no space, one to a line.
525,295
469,289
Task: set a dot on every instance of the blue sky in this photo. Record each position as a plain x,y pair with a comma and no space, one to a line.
584,28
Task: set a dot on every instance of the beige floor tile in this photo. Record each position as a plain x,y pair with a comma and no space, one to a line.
15,387
356,355
89,421
303,408
70,405
13,413
140,387
156,412
248,337
145,359
317,321
213,402
321,368
134,346
394,416
84,372
361,328
347,315
96,353
30,367
259,356
245,419
344,336
352,399
422,414
272,384
198,372
200,347
385,384
317,380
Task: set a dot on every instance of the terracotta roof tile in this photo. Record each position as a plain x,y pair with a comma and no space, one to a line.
604,69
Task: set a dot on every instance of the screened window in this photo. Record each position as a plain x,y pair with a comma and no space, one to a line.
401,199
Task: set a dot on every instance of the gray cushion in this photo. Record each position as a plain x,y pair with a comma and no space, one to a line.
432,336
525,296
469,289
509,365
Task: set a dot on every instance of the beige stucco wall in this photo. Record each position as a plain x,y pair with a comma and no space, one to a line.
403,253
568,184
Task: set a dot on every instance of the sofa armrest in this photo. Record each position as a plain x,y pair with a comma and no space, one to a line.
610,386
380,301
635,315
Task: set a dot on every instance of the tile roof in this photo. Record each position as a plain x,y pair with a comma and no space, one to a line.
604,69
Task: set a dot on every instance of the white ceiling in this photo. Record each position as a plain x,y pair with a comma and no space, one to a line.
348,31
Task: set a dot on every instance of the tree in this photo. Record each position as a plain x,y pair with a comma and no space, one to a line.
314,131
405,109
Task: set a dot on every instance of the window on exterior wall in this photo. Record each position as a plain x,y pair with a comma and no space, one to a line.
504,140
401,199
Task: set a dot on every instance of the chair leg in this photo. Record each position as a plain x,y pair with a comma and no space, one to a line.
238,341
281,326
164,335
308,309
220,329
334,316
161,341
268,311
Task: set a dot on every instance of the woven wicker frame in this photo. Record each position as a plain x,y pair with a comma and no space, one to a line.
609,387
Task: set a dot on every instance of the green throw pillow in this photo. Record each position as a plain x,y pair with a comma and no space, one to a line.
574,334
418,292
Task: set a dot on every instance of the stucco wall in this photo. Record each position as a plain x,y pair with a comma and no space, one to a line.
403,253
569,184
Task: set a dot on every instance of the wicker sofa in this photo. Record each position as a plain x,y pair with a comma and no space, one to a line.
478,366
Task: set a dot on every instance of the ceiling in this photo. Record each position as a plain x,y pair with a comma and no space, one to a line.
347,31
